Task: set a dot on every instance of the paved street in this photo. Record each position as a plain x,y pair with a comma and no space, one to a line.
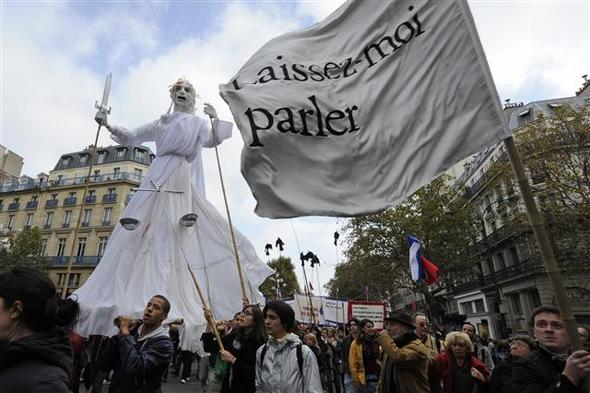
174,386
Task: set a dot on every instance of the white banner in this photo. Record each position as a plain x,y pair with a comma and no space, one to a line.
355,113
326,310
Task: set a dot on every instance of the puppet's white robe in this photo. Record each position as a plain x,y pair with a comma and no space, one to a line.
152,259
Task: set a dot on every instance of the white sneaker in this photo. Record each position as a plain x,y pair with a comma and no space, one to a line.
183,381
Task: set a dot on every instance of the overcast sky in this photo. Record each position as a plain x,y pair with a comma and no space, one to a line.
55,56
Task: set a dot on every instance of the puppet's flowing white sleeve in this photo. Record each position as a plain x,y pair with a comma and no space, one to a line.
222,131
141,134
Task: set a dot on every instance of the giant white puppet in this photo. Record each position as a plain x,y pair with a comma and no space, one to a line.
169,226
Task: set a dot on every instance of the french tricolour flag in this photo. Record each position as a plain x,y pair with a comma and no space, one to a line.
420,267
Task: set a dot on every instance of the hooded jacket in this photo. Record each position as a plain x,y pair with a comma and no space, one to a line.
40,363
279,371
405,365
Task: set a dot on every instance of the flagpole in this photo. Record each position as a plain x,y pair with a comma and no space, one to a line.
545,248
231,228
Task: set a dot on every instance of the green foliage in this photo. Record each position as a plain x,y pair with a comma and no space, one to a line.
556,152
24,250
284,278
377,254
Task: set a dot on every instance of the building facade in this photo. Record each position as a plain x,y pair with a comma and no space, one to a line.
509,279
54,204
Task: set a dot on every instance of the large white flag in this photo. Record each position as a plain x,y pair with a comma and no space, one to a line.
355,113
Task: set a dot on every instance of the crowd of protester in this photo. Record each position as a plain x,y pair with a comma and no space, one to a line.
267,351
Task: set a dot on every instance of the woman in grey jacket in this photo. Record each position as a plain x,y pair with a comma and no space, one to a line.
284,364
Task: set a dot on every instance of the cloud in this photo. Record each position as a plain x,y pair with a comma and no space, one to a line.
55,57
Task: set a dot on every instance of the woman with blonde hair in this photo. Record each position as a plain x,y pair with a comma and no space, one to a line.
456,369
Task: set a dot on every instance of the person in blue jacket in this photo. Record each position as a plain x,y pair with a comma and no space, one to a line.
141,352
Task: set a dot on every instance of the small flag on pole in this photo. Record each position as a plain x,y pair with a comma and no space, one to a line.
420,267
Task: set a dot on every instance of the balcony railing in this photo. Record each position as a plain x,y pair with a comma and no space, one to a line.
51,203
473,281
84,260
70,201
109,198
13,206
42,185
32,205
91,199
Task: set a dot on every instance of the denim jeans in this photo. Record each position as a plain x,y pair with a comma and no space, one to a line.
371,386
348,386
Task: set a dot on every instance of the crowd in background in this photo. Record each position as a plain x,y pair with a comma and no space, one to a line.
267,351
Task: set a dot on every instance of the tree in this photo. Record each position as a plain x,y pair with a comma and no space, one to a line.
556,153
284,279
24,250
377,253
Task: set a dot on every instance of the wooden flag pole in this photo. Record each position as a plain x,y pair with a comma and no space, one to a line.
545,248
208,315
245,300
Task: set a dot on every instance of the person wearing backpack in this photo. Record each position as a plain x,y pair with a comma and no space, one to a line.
284,364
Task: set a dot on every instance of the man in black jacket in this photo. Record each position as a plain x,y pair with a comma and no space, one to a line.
141,352
551,368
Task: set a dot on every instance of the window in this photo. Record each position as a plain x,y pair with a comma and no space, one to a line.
33,198
91,192
67,218
72,194
16,200
116,173
87,216
102,245
479,306
112,191
500,263
29,220
74,280
53,196
61,246
516,304
106,218
10,222
466,308
120,154
139,155
81,247
65,162
513,255
101,157
137,173
83,159
43,247
48,219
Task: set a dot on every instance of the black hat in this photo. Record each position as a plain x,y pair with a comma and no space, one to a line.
400,317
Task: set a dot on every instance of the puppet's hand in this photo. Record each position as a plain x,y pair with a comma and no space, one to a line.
210,111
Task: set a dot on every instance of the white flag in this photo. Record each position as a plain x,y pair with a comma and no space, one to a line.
355,113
